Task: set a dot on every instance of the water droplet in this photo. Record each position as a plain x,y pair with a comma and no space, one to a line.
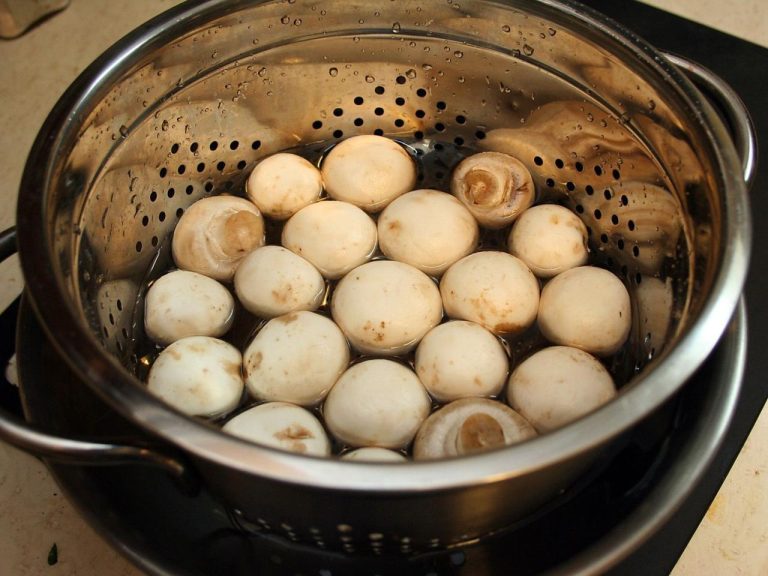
144,103
590,117
395,27
410,73
527,50
412,44
262,72
297,22
551,31
651,104
164,126
506,28
461,79
123,130
370,79
285,19
214,54
426,67
322,12
603,123
333,72
458,54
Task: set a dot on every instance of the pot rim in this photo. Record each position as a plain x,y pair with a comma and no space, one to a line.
116,385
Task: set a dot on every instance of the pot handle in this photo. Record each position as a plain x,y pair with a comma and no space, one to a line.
20,434
730,106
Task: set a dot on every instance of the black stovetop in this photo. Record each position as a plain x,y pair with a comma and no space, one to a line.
744,66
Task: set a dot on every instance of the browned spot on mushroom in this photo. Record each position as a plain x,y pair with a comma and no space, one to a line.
233,368
507,328
295,433
283,295
394,226
196,348
477,382
173,353
479,432
243,232
288,318
554,219
254,361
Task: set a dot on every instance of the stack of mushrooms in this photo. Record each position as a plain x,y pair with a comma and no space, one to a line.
382,331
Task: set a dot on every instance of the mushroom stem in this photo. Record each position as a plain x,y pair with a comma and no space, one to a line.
484,188
479,432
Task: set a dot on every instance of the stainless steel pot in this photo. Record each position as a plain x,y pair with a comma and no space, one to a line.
185,106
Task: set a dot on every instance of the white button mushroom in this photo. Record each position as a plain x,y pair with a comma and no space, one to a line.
183,303
468,426
282,184
272,281
495,187
557,385
376,403
427,229
198,375
587,308
215,233
549,239
386,307
368,171
494,289
459,359
295,358
281,425
334,236
373,454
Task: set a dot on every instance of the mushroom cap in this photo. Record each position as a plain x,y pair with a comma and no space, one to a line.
467,426
334,236
386,307
376,403
549,239
282,184
215,233
460,359
587,308
494,289
427,229
295,358
182,303
557,385
368,171
272,281
495,187
281,425
373,454
198,375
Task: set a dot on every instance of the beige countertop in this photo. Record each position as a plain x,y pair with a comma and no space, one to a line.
35,70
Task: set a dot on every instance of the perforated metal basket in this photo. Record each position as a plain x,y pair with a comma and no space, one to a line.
186,106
